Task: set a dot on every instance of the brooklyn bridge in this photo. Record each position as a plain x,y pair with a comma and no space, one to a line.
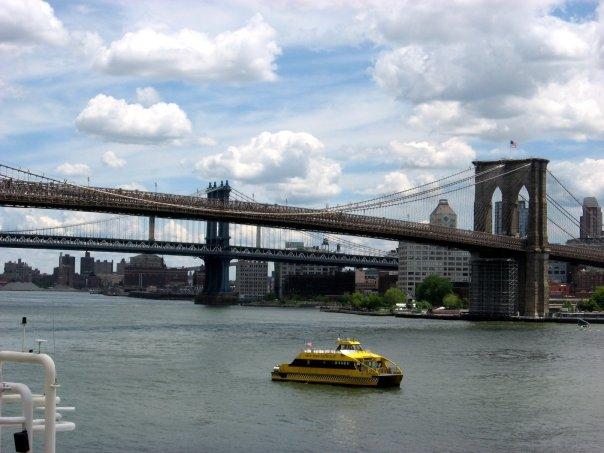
222,214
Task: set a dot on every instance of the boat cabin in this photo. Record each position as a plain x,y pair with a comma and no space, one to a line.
348,344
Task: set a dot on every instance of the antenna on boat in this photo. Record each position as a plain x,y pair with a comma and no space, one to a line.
40,341
23,324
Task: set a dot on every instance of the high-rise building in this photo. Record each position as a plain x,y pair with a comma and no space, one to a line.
65,272
86,264
418,261
523,212
443,215
120,267
523,218
591,220
251,280
19,271
67,260
103,267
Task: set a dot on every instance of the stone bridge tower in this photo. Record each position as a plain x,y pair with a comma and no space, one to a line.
510,176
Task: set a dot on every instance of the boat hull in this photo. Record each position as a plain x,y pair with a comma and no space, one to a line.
381,381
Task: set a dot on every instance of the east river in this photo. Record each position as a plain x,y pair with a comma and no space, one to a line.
159,376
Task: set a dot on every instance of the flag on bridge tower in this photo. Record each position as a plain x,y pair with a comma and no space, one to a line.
513,144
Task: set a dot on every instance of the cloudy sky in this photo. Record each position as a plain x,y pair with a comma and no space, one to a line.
310,100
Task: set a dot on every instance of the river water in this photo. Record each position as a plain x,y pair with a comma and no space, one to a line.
159,376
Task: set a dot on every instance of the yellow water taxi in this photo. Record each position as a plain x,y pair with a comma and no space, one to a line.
348,364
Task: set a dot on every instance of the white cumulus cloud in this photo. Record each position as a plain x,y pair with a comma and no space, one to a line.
486,68
582,177
28,22
453,153
246,54
69,169
293,163
116,120
112,160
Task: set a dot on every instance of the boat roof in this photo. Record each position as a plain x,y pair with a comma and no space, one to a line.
348,341
333,354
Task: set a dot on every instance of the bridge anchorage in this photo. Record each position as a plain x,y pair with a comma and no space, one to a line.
504,285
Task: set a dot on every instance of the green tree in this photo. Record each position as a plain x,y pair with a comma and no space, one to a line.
587,305
373,301
357,300
394,296
568,306
433,289
423,305
598,298
452,302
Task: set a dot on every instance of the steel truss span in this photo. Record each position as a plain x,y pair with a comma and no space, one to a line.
194,249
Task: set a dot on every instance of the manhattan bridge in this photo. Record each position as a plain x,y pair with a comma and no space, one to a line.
221,223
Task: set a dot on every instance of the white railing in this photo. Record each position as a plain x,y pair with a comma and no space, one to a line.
20,393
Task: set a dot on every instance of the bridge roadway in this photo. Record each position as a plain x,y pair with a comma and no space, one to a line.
37,241
19,193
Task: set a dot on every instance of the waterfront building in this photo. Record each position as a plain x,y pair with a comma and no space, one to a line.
199,277
591,220
558,272
284,270
86,264
150,270
418,261
387,280
585,280
19,271
251,280
311,285
366,280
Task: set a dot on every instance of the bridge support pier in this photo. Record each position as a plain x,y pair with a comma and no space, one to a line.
510,176
216,289
534,295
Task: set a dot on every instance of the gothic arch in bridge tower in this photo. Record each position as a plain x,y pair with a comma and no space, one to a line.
512,177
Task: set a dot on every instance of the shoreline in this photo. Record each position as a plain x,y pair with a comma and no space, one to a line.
591,319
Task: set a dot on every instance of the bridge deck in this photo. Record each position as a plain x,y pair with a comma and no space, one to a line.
38,241
64,196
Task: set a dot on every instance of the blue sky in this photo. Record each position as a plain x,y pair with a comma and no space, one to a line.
313,101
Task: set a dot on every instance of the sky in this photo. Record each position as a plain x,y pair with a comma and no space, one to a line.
311,101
